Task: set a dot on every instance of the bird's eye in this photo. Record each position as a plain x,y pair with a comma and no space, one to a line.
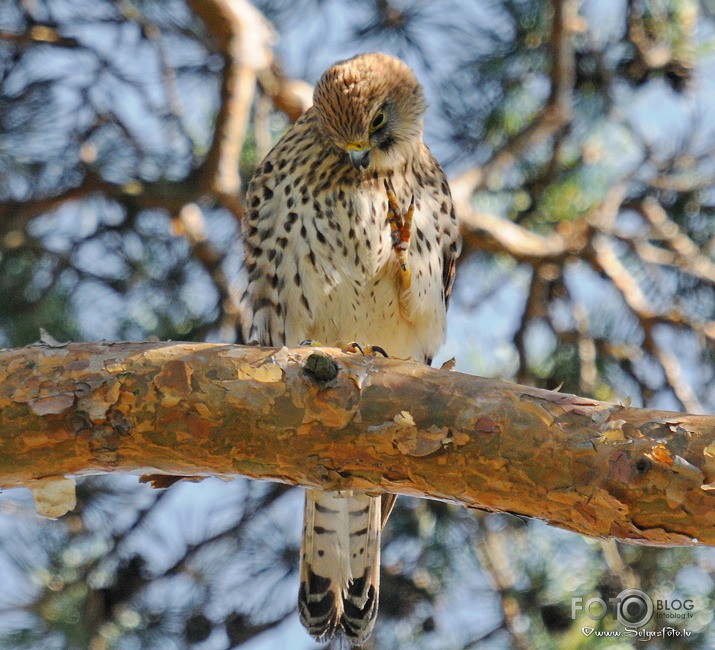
378,122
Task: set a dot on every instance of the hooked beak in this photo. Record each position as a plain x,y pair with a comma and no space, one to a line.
360,158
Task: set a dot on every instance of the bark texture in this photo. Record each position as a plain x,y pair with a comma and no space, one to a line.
324,418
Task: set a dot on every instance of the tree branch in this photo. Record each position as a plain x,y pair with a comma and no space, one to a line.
244,38
485,231
338,421
554,116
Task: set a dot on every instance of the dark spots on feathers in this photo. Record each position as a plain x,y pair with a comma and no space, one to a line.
318,585
319,530
263,303
317,606
306,304
324,509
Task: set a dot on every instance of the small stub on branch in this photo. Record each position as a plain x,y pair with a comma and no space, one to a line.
164,481
50,341
54,495
449,364
321,368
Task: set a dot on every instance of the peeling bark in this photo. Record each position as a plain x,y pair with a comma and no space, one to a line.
327,419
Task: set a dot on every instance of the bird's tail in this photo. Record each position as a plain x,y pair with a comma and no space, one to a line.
340,564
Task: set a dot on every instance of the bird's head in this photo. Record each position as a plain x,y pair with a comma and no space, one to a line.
371,107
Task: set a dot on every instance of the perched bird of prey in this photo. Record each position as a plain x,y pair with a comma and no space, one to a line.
349,236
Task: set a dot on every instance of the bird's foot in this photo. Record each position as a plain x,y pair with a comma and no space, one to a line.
353,347
366,350
400,232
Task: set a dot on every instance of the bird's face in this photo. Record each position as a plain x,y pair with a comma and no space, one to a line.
371,108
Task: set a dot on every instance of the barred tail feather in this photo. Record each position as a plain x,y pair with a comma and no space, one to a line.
340,564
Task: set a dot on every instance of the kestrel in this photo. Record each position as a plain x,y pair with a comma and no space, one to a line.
350,235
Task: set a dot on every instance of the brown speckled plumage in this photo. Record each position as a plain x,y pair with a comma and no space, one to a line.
320,265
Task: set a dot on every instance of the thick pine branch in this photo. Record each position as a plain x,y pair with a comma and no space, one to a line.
340,421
